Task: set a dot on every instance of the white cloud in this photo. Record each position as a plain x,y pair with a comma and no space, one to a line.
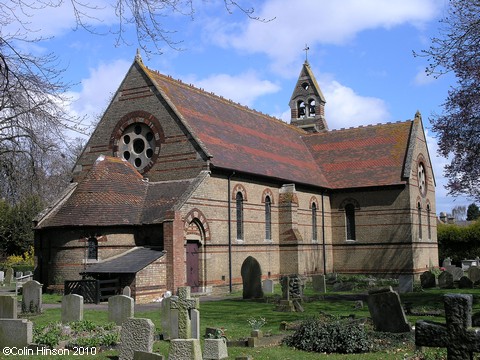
303,22
244,88
422,78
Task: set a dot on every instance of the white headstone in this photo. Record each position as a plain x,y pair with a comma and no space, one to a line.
72,308
32,297
8,307
15,333
120,308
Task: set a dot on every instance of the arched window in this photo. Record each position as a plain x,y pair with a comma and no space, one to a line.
301,109
419,207
311,108
268,218
428,223
314,222
92,248
350,221
239,202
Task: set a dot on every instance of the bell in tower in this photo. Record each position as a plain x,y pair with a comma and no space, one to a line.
307,103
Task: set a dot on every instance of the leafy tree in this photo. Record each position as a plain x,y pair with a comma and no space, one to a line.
458,242
457,50
473,212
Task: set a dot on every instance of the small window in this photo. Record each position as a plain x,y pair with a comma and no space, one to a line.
268,218
350,221
239,202
311,108
92,250
429,223
314,222
419,207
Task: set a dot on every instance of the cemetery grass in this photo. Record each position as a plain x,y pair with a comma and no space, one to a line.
232,314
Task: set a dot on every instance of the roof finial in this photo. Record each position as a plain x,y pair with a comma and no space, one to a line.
418,115
138,57
306,52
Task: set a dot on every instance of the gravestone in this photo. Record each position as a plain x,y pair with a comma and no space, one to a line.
8,276
184,304
445,280
427,280
465,283
185,349
120,308
318,283
2,276
405,284
15,333
167,316
446,262
8,307
474,274
127,291
252,278
268,287
136,335
18,274
72,308
215,349
386,311
32,297
457,335
195,321
455,271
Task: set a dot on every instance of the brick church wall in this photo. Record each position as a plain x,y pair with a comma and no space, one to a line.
151,282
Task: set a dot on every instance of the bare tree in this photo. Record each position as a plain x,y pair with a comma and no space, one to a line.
459,212
457,50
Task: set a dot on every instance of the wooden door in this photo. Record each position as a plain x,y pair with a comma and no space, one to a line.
193,262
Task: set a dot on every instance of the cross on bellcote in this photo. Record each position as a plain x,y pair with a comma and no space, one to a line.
306,52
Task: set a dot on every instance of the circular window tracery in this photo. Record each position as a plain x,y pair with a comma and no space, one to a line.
137,145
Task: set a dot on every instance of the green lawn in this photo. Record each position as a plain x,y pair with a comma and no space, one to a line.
232,314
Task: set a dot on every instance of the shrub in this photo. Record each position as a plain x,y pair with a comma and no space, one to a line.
318,335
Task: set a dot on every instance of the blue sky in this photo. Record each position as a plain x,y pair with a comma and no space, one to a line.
360,52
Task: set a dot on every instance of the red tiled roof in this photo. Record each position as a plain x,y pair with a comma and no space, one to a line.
239,138
114,193
364,156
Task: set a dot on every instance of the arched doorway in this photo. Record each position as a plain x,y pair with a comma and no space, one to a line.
193,265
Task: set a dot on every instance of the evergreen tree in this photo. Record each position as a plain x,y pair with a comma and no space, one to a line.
473,212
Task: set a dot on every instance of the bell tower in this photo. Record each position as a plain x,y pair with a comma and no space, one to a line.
307,103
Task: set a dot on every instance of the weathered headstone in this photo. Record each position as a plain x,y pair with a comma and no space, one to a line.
120,308
252,278
474,274
2,276
143,355
447,262
127,291
427,280
136,335
455,271
457,335
166,319
214,349
8,307
184,304
405,284
185,349
18,274
465,283
32,297
72,308
195,321
386,311
268,287
15,333
445,280
8,276
318,283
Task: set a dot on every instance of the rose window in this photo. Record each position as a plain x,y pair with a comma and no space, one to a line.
137,145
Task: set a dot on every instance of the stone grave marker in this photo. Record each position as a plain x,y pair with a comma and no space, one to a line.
15,333
127,291
474,274
168,316
252,278
72,308
455,271
18,274
386,311
427,280
214,349
465,283
2,276
405,284
185,349
268,287
184,304
136,335
195,321
446,262
120,308
8,307
318,283
32,297
457,335
445,280
8,276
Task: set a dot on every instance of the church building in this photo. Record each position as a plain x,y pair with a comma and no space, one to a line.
178,186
